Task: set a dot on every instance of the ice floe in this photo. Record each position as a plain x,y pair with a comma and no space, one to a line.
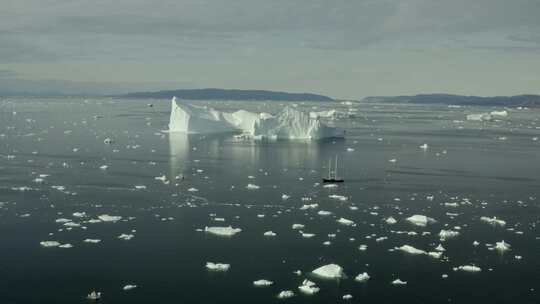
222,231
330,271
420,220
362,277
308,287
262,283
217,266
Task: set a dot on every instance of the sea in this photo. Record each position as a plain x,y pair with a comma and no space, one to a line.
96,195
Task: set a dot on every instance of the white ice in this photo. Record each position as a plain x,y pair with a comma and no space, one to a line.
222,231
330,271
217,266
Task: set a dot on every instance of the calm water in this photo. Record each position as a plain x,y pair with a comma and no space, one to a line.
471,169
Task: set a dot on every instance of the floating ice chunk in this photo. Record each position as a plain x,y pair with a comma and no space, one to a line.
94,295
72,224
345,221
62,220
109,218
262,283
347,297
324,213
393,160
92,241
270,233
308,287
411,249
217,266
65,246
398,282
129,287
499,114
192,189
252,187
330,186
323,114
435,254
108,141
140,187
285,294
476,243
493,220
390,221
424,146
362,247
420,220
222,231
330,271
307,235
440,248
285,197
350,149
49,244
104,167
447,234
126,237
479,117
298,226
468,268
309,206
79,214
362,277
338,197
502,246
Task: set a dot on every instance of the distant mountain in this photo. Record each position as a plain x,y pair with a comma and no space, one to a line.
518,100
223,94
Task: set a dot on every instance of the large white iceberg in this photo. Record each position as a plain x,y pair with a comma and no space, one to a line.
290,123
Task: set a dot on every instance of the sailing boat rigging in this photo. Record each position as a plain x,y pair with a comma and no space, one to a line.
332,176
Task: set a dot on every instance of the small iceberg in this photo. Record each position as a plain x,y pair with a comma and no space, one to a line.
308,287
262,283
285,294
217,266
468,268
390,221
222,231
447,234
49,244
502,246
493,220
94,295
420,220
109,218
345,222
330,271
363,277
398,282
129,287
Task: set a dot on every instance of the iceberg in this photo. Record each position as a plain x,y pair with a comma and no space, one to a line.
420,220
222,231
290,123
217,266
479,117
330,271
262,283
363,277
308,287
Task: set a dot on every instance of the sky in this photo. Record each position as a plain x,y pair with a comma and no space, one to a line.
342,48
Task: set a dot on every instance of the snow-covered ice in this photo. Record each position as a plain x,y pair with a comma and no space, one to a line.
330,271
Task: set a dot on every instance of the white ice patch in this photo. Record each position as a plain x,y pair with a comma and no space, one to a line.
49,243
447,234
217,266
308,287
222,231
252,187
129,287
330,271
362,277
109,218
468,268
502,246
390,220
398,282
285,294
269,233
420,220
262,283
346,222
493,220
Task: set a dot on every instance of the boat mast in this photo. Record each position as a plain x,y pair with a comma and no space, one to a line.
329,168
335,170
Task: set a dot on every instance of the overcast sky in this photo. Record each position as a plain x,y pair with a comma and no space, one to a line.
341,48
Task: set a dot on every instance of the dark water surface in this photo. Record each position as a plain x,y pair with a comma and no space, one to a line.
471,169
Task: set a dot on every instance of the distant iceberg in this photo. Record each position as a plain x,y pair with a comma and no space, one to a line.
290,123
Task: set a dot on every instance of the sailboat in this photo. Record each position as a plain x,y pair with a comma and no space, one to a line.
332,176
